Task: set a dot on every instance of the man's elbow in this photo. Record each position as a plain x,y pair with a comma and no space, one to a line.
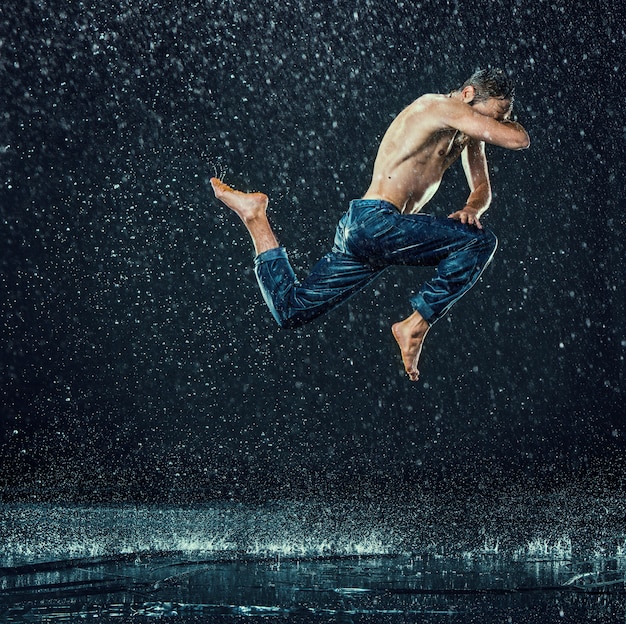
523,142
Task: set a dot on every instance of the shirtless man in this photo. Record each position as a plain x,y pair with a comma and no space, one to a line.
386,227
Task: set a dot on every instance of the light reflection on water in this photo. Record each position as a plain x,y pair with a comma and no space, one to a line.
305,562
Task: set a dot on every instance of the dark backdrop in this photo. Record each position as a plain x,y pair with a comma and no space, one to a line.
138,359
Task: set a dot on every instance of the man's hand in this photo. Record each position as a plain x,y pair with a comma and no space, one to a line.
467,215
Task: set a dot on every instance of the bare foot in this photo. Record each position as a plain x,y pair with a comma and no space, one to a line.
409,335
249,206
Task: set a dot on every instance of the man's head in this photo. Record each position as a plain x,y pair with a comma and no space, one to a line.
491,91
491,83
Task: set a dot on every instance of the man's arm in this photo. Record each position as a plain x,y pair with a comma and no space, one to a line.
508,134
475,167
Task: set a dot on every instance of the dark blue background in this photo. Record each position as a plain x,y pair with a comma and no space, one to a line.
138,360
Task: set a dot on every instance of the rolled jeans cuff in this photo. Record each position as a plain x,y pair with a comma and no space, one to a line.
271,254
427,313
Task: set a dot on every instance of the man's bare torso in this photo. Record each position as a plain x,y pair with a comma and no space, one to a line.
414,154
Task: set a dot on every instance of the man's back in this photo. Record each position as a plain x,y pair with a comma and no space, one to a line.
413,155
427,137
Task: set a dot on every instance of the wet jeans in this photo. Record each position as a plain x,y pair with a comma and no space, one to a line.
370,237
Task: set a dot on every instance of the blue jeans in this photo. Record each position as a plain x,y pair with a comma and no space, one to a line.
370,237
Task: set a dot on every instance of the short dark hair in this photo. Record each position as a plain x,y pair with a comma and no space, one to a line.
491,83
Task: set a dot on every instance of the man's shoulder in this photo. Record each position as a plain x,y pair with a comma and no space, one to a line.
429,109
430,104
429,99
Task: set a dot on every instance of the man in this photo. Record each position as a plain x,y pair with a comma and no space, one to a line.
386,227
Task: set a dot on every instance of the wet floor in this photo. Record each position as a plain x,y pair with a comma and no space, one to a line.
487,588
304,562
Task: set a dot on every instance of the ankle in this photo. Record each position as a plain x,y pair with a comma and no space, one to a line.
417,324
256,221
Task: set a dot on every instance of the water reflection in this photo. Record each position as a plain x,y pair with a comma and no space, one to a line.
394,587
71,563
